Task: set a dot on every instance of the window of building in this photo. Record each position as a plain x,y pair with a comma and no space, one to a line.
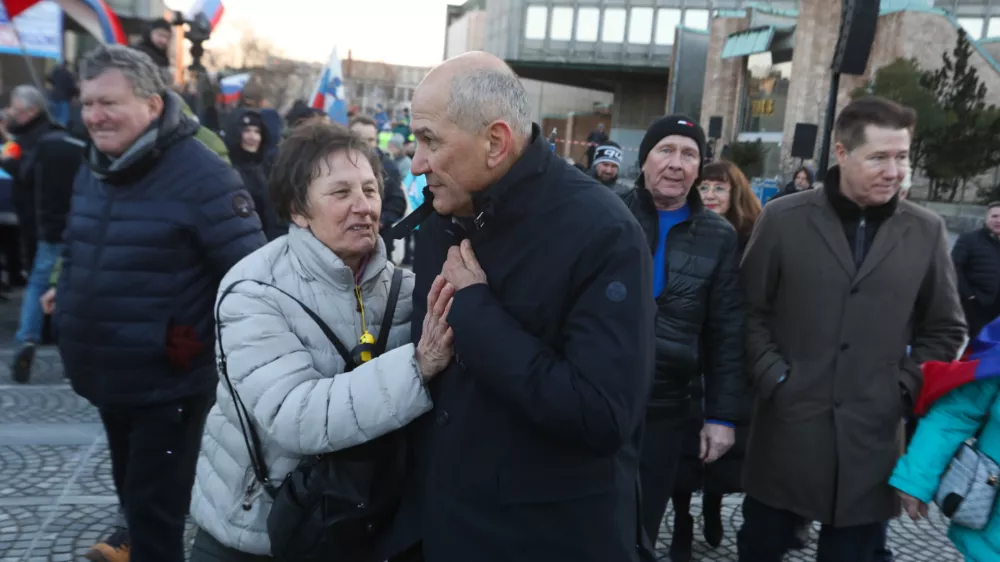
588,20
667,20
536,22
640,27
614,26
993,29
972,26
696,19
766,94
562,24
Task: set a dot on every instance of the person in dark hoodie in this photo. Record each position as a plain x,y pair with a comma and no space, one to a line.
607,163
803,180
246,152
156,42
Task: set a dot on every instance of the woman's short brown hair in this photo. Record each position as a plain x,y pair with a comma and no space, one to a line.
744,207
300,160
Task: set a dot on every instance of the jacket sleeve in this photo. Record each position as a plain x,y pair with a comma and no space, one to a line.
960,258
761,270
591,391
725,380
300,409
939,326
953,419
226,236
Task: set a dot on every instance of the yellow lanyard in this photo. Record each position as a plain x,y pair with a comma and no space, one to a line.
366,336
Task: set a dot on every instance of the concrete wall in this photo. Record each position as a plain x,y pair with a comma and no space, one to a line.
723,78
815,42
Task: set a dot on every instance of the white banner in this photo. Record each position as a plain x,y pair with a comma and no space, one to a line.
40,28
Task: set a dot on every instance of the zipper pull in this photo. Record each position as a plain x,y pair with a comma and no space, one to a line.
247,505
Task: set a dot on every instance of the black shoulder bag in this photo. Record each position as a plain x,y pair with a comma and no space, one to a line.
332,506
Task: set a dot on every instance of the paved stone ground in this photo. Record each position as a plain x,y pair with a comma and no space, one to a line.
57,497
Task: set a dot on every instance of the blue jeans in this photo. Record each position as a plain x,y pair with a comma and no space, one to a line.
59,111
32,316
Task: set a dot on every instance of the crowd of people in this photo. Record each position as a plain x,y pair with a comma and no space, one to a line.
568,354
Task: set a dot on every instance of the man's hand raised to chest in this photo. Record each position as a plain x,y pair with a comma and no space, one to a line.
462,268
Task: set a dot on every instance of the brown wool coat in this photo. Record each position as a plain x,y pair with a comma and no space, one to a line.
824,442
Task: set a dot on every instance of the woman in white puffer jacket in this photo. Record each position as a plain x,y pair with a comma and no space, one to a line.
285,370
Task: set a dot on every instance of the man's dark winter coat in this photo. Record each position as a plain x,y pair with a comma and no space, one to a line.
977,261
531,452
53,167
393,199
27,136
149,237
699,324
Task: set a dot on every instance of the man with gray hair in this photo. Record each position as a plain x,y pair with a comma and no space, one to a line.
156,220
531,452
28,120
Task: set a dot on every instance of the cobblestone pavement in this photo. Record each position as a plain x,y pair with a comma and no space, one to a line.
57,497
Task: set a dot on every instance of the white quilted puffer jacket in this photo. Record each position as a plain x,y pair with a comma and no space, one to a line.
292,380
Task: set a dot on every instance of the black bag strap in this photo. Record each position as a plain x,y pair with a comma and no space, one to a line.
390,311
250,436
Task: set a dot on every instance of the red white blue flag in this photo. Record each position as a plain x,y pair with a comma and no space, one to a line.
328,94
232,87
93,15
211,9
982,361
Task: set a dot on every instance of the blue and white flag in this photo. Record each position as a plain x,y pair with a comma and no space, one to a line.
328,94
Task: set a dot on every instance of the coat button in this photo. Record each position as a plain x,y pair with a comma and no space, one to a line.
458,361
845,346
837,403
442,417
855,291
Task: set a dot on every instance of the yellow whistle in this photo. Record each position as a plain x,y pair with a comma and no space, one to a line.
369,339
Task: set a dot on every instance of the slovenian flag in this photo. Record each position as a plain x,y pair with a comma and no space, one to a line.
232,87
328,95
981,362
93,15
211,9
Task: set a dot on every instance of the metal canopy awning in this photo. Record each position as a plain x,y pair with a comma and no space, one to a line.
758,40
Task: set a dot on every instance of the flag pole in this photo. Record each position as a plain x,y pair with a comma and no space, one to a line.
27,59
24,53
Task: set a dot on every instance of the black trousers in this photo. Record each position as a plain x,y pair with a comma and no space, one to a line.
662,449
154,450
767,531
207,549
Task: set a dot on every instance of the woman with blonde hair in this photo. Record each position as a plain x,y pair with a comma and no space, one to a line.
725,190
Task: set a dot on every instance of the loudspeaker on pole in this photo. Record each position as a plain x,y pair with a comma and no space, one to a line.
804,140
858,22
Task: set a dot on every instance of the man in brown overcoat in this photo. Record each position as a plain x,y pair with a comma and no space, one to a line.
839,281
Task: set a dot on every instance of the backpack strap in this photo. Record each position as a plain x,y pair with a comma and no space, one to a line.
250,436
411,221
390,311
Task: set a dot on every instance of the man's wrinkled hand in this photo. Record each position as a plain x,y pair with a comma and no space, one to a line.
462,268
716,440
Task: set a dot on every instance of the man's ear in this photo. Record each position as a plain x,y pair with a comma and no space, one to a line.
500,137
155,102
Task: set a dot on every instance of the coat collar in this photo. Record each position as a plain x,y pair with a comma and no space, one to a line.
502,198
829,221
315,261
